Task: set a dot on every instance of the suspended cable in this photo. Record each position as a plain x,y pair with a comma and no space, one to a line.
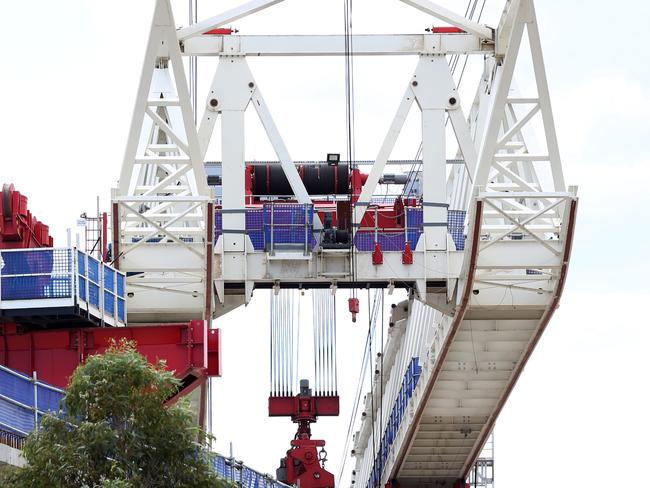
372,393
283,351
357,399
349,123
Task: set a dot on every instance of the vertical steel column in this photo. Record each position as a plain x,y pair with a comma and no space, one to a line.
35,380
116,235
234,201
434,182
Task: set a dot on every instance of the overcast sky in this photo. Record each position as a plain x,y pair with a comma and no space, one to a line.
68,82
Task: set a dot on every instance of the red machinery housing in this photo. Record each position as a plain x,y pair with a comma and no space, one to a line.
304,464
19,229
334,189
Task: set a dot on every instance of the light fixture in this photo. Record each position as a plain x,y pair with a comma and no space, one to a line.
333,159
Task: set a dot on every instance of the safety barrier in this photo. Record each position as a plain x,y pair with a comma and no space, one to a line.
395,239
23,401
61,281
409,383
276,227
241,475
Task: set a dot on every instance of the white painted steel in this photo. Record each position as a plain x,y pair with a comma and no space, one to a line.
470,360
334,45
451,17
153,214
487,304
520,229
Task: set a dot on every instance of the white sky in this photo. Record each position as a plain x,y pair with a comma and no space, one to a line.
68,82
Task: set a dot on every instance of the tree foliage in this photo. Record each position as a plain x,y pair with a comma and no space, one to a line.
116,431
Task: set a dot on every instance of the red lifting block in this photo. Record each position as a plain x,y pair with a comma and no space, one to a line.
303,407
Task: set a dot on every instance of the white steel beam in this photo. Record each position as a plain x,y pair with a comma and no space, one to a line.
288,166
451,18
161,15
496,113
434,181
334,45
163,189
465,141
544,99
225,18
234,168
383,155
233,88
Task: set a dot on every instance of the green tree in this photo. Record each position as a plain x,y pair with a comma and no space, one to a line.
116,431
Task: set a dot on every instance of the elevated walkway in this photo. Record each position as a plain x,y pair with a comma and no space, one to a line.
512,280
60,286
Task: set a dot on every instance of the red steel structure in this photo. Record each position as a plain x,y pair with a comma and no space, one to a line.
19,229
304,464
54,348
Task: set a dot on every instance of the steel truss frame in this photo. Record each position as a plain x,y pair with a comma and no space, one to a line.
162,207
162,190
520,221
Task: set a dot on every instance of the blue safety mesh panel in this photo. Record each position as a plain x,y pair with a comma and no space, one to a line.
393,240
93,285
36,274
82,288
81,272
18,415
109,303
109,279
93,294
242,475
254,226
93,269
120,309
414,220
456,227
409,382
288,225
218,224
81,263
120,285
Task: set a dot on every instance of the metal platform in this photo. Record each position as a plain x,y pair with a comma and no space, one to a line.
60,286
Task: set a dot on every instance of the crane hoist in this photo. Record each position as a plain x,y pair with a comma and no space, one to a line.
481,242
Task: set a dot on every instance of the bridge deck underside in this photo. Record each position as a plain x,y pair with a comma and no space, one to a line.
474,379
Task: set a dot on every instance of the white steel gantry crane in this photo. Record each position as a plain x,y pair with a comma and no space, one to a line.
480,300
